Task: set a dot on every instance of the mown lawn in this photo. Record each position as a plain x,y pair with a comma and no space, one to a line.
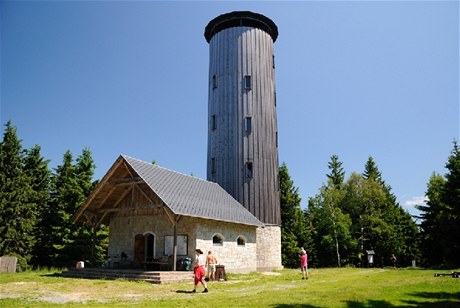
345,287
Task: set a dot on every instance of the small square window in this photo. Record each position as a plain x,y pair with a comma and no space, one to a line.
241,241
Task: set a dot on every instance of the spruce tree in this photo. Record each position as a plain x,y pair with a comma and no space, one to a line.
39,175
66,195
337,174
17,207
440,216
71,242
371,171
451,200
90,241
294,230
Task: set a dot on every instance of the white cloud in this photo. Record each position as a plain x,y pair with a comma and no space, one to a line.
418,200
410,204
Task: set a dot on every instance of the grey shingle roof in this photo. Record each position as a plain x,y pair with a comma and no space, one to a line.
190,196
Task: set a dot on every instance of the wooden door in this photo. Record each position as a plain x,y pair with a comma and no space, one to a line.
138,250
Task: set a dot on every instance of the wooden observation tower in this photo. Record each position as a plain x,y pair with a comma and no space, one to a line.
242,129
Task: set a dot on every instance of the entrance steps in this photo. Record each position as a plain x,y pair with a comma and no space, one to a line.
156,277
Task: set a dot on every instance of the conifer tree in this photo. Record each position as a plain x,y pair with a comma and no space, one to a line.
371,171
90,242
337,174
65,193
71,185
440,216
294,230
432,217
17,209
38,175
451,199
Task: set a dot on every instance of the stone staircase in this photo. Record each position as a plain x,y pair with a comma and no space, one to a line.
156,277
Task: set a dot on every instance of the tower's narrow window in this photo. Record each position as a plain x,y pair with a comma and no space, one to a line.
213,122
249,170
247,82
214,81
276,140
248,124
213,165
273,59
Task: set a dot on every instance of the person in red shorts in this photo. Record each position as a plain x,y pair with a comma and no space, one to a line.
199,270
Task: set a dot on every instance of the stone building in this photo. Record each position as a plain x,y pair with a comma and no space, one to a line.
160,216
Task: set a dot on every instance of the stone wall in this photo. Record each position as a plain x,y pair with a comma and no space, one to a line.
124,229
269,248
236,258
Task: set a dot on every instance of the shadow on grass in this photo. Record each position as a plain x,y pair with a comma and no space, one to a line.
184,291
438,295
432,304
370,303
442,299
294,306
438,299
52,275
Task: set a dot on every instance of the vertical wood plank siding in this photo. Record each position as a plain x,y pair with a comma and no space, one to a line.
234,53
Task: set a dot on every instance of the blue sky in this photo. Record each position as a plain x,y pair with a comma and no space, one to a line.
353,78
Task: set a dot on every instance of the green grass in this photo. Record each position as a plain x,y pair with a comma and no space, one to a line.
345,287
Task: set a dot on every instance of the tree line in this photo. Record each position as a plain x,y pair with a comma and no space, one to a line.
36,207
346,217
349,217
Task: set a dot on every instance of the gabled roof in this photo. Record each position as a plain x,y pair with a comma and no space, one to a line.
181,194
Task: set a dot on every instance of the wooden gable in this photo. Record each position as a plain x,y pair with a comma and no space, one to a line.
120,193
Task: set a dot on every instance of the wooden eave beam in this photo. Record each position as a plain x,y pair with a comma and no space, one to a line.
101,218
125,181
99,187
129,208
145,195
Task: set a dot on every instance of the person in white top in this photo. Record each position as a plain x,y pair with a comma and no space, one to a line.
199,270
